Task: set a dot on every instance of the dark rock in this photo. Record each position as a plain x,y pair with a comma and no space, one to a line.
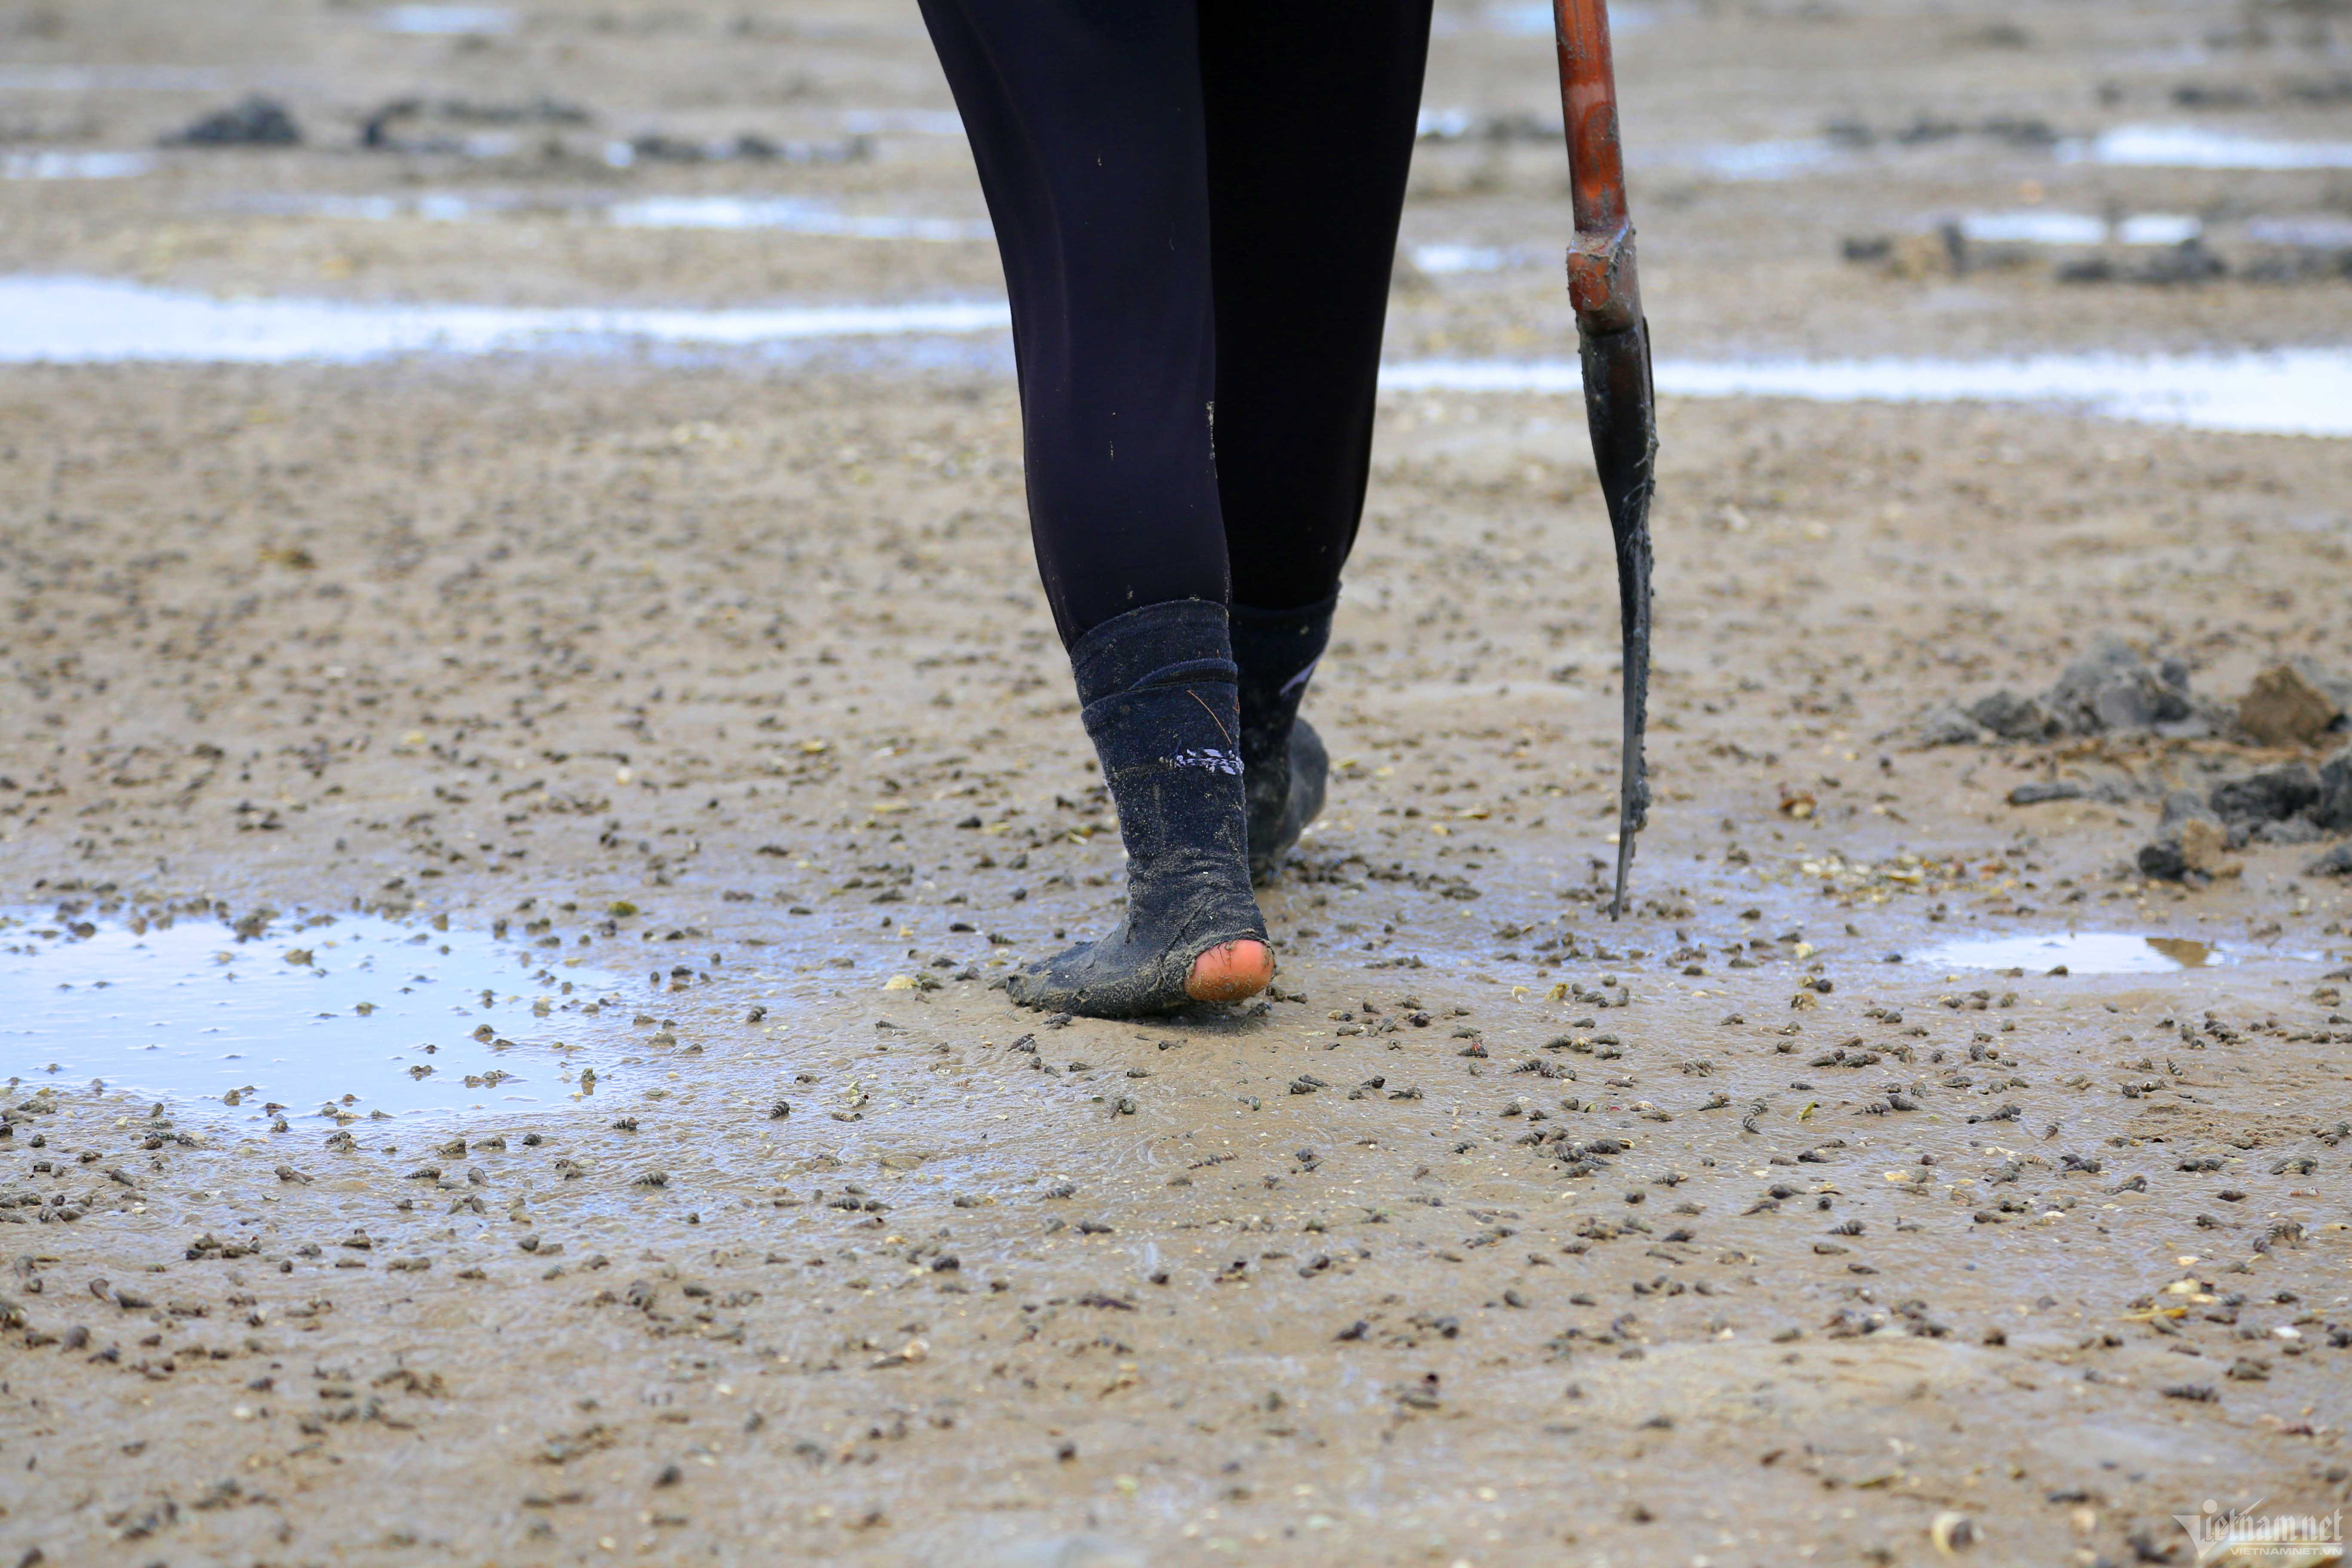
2183,805
1947,725
2187,262
2333,810
2196,850
2161,861
2270,797
2014,718
2043,791
2337,862
2112,686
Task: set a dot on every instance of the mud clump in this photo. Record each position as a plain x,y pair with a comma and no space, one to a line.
2290,805
2293,705
2113,688
256,121
2188,847
389,126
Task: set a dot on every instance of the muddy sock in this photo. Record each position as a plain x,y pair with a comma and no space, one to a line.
1283,761
1157,695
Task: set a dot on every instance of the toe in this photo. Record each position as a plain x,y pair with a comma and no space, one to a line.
1230,972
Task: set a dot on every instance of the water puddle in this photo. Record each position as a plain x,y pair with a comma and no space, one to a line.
785,214
444,21
121,79
83,320
1446,261
902,122
2286,392
348,1015
78,320
428,206
2193,147
2319,232
75,166
1762,160
2037,227
790,215
2077,952
1530,20
2129,146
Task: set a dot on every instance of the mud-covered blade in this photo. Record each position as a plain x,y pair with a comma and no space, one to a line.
1618,404
1604,287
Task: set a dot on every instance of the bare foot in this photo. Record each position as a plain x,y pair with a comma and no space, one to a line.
1230,972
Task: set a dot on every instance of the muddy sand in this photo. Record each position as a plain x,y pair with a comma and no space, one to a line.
703,1201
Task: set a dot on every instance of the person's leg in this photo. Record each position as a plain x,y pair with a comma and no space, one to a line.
1086,122
1311,112
1085,119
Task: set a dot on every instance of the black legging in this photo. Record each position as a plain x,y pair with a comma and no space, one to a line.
1196,202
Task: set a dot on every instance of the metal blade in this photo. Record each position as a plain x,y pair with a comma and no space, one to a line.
1621,410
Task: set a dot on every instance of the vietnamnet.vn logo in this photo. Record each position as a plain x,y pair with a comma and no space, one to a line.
2242,1538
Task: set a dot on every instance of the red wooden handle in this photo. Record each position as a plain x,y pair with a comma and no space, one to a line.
1600,264
1588,101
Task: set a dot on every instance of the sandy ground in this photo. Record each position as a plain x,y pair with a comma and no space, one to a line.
1501,1233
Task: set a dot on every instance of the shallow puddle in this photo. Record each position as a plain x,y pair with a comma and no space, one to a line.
56,166
784,215
349,1015
789,214
2319,231
1530,20
83,320
86,320
121,79
902,122
2078,953
444,21
2289,392
1443,261
2037,227
1763,160
2194,147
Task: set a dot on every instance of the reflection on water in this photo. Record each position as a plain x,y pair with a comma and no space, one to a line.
792,214
346,1011
902,122
2319,231
2079,952
786,214
2033,227
2194,147
75,166
1443,261
438,21
2287,391
82,320
1529,19
123,79
1762,160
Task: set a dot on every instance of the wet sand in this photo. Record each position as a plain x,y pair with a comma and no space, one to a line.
1501,1233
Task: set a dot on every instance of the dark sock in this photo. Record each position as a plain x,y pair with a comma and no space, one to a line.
1282,760
1156,688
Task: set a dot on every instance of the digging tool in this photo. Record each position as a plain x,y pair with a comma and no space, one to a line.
1615,343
